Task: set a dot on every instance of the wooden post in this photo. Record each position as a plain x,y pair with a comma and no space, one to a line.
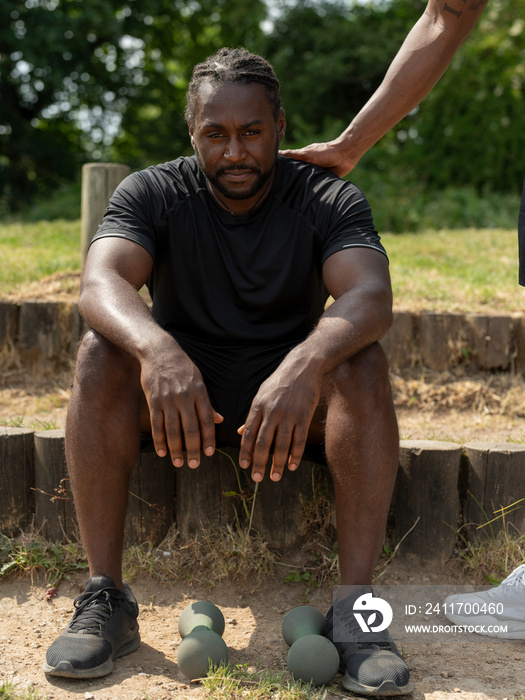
491,338
212,496
17,479
279,513
46,334
201,493
426,500
9,313
442,340
495,480
151,499
99,181
54,510
399,343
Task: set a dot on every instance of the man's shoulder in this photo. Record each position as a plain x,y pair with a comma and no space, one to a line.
183,171
308,173
313,182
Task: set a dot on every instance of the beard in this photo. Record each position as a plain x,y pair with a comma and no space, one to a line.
231,192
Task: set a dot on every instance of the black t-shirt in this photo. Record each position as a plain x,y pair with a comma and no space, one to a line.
239,279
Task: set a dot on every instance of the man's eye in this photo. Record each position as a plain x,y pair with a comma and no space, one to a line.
214,135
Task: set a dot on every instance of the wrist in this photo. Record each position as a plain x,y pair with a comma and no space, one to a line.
156,343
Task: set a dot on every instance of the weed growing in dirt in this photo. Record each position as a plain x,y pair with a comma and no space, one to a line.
17,422
31,554
498,549
37,424
231,682
213,555
10,691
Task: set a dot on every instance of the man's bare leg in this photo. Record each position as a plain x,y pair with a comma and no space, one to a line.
362,448
102,446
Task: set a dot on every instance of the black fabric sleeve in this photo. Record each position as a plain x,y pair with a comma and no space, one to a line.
351,224
131,214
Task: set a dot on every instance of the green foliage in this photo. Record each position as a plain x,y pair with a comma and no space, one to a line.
10,690
401,204
467,132
64,204
72,70
59,65
106,80
331,56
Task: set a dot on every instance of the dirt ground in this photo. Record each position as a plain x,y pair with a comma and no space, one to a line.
447,406
490,669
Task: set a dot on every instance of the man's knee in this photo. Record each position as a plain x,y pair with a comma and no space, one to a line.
363,380
99,360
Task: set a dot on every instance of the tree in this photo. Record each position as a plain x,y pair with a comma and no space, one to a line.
62,66
469,131
174,36
71,70
331,56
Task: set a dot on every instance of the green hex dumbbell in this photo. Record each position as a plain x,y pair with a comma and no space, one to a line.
201,625
312,658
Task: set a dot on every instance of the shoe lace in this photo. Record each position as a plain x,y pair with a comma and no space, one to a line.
516,578
93,610
364,640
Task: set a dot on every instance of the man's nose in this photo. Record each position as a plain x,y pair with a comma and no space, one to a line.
235,150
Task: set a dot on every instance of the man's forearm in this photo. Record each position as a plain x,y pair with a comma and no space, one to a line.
421,61
354,321
115,309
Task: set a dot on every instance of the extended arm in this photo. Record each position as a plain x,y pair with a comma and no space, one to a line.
421,61
180,410
281,413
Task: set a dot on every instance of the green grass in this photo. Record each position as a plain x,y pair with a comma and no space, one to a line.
241,681
468,270
11,691
30,554
31,251
460,270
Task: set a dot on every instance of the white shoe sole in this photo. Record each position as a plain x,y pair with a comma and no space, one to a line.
515,628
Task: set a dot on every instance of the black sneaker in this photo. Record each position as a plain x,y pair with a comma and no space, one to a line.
103,628
370,661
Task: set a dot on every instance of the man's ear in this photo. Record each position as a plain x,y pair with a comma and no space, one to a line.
190,130
281,125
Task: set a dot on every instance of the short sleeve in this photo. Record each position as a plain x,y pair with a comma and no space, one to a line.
131,214
350,222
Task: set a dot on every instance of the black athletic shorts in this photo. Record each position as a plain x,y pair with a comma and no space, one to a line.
233,375
521,238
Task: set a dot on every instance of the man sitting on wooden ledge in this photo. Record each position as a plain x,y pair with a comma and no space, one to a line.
240,249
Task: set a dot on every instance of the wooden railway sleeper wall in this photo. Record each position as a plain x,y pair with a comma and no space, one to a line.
440,486
43,336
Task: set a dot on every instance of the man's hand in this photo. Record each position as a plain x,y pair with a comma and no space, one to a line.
180,410
327,155
279,420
